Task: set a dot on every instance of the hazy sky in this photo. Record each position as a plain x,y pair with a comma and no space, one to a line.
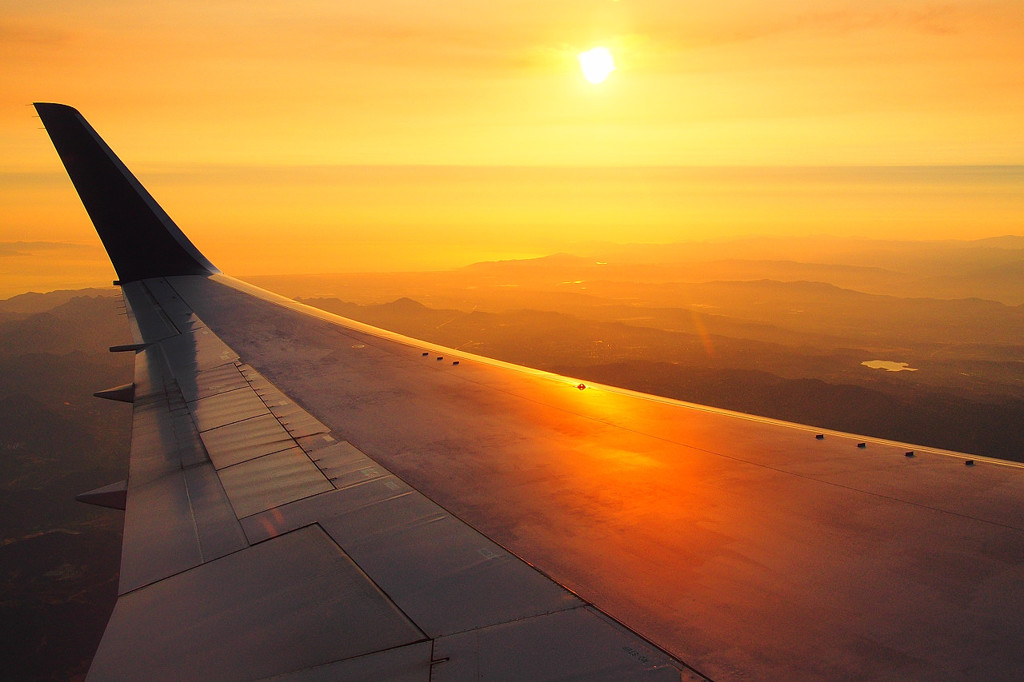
251,122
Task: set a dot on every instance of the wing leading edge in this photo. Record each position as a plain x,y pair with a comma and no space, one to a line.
365,483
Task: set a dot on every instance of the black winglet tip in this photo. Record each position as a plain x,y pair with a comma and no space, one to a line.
54,106
140,238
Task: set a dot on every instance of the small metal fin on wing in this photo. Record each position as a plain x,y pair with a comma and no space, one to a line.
113,496
129,348
124,393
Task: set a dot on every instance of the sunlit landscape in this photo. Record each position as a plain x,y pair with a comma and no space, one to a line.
808,214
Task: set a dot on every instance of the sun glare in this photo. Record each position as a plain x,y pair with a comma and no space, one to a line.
596,63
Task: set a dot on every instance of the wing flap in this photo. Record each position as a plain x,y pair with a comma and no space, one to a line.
216,526
159,533
270,481
244,440
293,603
446,576
176,515
551,654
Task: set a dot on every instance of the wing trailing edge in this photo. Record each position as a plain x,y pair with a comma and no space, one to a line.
140,238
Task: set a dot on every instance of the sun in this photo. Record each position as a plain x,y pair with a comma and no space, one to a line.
596,63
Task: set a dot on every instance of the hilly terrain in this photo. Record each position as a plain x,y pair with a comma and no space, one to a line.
58,558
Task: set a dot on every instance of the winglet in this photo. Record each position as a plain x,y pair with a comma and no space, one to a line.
140,238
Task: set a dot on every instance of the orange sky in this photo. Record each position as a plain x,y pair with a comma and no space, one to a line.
291,137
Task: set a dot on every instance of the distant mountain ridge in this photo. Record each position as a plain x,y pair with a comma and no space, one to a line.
33,302
990,268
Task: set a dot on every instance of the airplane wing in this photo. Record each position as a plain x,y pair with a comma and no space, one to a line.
314,498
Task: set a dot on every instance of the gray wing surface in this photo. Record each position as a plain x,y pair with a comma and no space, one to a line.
260,542
310,497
